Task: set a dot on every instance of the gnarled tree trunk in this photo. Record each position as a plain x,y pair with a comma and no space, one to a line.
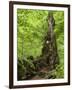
50,46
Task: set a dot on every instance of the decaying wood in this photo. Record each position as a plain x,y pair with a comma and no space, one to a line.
49,55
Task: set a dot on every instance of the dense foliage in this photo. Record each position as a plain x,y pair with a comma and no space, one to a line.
32,26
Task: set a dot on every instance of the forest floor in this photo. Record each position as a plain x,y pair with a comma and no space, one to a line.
42,71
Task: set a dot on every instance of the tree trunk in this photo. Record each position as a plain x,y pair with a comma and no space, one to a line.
50,46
